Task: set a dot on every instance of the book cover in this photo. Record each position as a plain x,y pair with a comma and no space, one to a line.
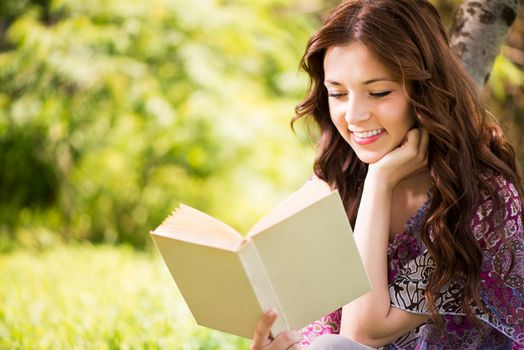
300,259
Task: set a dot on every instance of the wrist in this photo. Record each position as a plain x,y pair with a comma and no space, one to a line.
379,182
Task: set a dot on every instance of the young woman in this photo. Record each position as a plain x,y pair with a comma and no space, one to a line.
430,186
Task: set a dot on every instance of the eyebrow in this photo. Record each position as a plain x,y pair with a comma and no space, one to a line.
367,82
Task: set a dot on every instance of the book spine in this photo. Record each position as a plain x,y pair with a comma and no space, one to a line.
262,285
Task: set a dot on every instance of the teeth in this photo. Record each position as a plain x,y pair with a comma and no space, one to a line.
368,134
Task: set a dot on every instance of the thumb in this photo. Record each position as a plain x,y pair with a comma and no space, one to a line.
261,337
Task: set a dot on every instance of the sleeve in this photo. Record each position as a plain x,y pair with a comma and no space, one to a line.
501,292
502,289
329,324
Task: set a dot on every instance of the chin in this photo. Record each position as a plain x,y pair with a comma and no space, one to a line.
369,159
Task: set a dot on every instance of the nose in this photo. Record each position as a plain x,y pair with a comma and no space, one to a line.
356,111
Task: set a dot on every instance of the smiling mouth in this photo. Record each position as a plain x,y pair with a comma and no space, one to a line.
367,134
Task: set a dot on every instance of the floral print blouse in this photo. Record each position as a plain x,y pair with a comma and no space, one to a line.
503,296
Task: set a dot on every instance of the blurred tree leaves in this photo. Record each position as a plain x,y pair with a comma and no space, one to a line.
113,111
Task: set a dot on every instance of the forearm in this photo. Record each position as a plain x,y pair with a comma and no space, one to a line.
371,236
370,319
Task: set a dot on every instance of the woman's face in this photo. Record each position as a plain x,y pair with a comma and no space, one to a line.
367,105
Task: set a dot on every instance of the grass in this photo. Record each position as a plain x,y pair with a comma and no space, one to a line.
85,297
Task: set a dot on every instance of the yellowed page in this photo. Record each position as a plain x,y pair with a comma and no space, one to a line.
310,192
191,225
213,284
312,262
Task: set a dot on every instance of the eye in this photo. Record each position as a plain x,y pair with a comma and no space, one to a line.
336,95
379,94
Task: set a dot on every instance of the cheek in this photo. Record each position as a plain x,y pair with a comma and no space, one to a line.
398,116
340,124
337,120
337,114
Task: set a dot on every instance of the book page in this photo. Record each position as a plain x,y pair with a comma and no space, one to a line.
311,192
191,225
312,262
213,284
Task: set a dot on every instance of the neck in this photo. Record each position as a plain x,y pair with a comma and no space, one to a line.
417,183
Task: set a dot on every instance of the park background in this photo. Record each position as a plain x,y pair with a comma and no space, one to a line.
114,111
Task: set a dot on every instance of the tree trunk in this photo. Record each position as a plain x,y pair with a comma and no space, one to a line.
478,31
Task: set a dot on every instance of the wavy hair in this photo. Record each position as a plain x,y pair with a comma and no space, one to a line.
407,36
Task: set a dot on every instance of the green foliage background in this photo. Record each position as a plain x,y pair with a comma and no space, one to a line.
114,111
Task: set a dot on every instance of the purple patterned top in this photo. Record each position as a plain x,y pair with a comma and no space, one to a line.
503,296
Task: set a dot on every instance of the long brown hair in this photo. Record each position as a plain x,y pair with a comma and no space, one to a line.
407,36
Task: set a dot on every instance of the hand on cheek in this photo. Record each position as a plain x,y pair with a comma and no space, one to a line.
409,158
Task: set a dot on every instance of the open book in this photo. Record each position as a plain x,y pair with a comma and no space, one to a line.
300,259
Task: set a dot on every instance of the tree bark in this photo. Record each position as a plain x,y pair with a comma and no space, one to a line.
478,31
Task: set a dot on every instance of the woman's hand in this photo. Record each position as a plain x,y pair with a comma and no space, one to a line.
288,340
407,159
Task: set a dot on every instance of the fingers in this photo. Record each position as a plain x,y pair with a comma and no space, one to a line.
411,142
262,330
295,347
413,137
421,146
417,149
419,139
422,151
409,147
288,340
